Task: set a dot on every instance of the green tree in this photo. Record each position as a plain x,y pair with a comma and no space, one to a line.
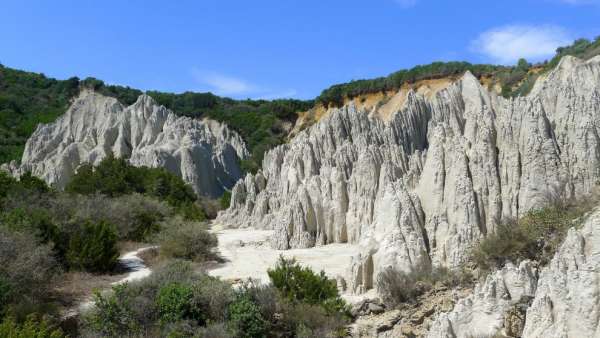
245,318
174,304
93,247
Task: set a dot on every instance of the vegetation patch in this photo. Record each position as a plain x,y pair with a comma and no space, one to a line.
176,301
536,236
399,287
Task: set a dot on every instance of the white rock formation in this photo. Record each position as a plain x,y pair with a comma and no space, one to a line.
567,301
482,314
566,294
434,179
204,153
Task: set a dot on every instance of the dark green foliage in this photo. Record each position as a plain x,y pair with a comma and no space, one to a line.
32,183
259,122
7,184
32,328
174,303
245,318
336,94
115,177
301,284
177,300
5,294
514,81
27,99
93,247
225,200
581,48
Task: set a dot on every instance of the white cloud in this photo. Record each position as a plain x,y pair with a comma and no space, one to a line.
509,43
223,84
580,2
406,3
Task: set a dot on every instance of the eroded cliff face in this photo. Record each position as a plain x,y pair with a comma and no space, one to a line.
561,301
204,153
434,179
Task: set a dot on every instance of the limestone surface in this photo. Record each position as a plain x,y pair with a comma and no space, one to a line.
204,153
440,174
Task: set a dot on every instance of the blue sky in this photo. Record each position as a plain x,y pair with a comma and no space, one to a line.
278,48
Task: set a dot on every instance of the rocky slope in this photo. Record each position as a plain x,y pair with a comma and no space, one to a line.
204,153
563,300
431,181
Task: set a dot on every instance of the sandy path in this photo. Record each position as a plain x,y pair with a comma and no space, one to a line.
136,270
249,255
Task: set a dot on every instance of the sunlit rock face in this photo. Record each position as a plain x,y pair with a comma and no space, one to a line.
429,183
204,153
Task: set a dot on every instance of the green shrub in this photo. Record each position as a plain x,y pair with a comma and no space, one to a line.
397,287
302,284
113,315
32,183
245,318
115,177
175,303
212,296
7,184
536,236
225,200
32,328
28,271
93,247
186,240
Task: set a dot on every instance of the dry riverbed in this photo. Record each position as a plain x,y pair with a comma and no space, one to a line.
248,255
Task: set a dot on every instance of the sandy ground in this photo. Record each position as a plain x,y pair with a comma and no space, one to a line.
131,263
248,255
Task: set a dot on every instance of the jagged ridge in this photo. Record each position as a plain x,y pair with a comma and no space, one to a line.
204,153
428,184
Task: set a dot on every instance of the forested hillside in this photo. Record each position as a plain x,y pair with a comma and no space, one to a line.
514,81
27,99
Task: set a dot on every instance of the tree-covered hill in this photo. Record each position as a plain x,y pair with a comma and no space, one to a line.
514,81
27,99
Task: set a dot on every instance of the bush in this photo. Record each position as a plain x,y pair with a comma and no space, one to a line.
32,328
399,287
212,296
302,284
175,303
27,272
225,200
136,217
186,240
115,177
306,321
113,315
245,318
93,247
536,236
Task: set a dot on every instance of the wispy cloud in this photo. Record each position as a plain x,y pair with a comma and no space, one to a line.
406,3
227,85
580,2
223,84
507,44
